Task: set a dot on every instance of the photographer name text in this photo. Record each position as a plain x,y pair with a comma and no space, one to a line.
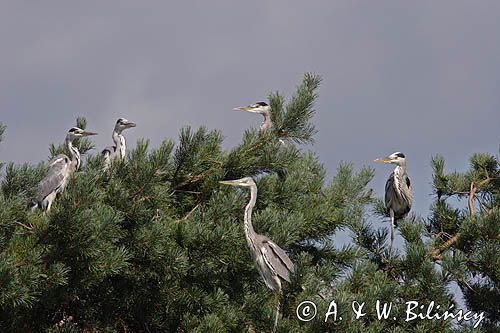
307,311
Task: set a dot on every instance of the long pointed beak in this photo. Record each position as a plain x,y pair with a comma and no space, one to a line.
244,108
229,182
88,133
131,125
385,160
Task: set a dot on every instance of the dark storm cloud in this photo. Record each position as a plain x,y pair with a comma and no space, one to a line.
420,77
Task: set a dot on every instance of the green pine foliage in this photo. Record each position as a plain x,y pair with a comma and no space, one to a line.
292,122
467,235
156,244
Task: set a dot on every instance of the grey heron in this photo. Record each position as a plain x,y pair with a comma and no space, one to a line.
60,169
398,191
261,108
272,262
119,150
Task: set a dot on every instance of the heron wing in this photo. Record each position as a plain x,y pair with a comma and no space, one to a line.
276,257
409,193
389,191
56,159
398,199
58,171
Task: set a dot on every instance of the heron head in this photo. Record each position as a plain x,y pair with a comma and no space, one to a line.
243,182
395,158
76,132
259,107
123,123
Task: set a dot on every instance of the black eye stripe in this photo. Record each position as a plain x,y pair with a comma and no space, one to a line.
261,103
400,155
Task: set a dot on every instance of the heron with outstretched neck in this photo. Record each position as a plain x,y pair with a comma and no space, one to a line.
261,108
119,150
60,169
272,262
398,191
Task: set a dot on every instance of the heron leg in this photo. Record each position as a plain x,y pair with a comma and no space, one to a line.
277,313
47,202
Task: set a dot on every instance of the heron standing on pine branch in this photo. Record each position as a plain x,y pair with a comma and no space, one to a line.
272,262
119,150
398,192
60,169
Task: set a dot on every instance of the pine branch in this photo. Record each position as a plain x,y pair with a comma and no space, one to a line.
189,181
436,254
293,122
191,212
472,194
24,225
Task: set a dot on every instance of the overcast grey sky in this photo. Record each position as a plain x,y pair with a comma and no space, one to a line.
422,77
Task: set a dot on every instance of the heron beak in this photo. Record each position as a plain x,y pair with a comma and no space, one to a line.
385,160
229,182
88,133
131,125
244,108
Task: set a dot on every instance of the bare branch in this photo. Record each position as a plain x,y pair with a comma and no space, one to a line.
24,225
472,193
191,212
191,180
436,254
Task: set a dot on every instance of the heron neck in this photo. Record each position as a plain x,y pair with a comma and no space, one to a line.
400,170
75,153
249,231
267,122
119,141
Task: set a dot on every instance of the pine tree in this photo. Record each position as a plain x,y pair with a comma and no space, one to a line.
467,239
156,244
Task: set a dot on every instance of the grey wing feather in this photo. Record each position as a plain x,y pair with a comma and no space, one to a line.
409,194
56,159
389,191
58,170
399,203
278,258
